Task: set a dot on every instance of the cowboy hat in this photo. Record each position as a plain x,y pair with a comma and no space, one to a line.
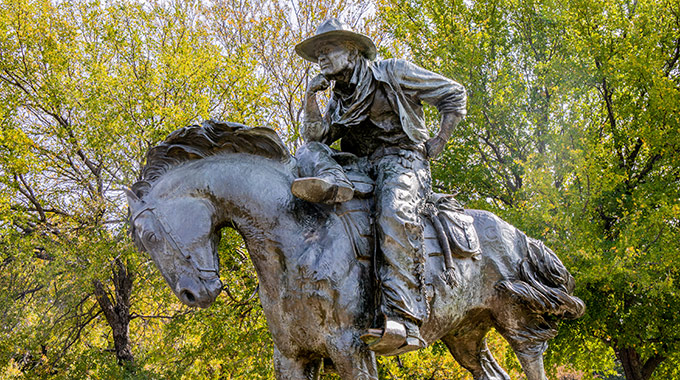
334,30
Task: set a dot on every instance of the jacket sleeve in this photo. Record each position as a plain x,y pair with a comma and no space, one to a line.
322,130
434,89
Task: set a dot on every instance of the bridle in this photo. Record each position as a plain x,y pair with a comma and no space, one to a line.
173,240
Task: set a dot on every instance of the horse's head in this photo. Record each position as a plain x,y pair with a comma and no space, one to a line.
179,235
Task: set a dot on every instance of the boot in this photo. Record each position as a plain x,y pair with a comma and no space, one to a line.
328,189
396,338
413,339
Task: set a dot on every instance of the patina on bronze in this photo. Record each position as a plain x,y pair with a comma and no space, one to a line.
314,261
376,112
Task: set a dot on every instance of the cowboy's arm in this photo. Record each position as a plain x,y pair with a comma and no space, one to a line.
314,127
447,95
437,144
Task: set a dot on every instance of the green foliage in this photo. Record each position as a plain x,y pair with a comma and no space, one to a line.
86,89
436,363
572,135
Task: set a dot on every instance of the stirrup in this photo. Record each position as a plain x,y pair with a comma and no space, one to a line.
412,343
387,340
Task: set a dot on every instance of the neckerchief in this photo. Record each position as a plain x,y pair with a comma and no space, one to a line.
352,109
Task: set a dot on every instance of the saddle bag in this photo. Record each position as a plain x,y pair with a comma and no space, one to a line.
458,227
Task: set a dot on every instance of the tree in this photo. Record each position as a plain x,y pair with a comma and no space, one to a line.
270,30
572,135
630,55
86,89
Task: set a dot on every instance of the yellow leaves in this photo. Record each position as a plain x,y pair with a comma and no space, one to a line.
16,150
675,209
12,370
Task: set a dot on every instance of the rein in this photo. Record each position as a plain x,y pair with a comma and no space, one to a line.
173,240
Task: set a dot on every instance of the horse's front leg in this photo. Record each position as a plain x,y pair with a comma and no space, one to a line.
351,357
295,368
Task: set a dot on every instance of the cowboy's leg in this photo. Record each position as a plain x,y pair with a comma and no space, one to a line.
402,184
322,179
314,159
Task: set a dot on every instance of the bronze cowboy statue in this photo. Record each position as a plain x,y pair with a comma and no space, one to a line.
376,112
329,230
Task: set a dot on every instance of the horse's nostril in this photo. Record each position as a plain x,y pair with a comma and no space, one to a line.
188,296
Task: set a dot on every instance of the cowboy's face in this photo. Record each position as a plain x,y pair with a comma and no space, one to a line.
334,59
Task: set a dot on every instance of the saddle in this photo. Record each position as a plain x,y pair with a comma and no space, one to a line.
453,230
448,233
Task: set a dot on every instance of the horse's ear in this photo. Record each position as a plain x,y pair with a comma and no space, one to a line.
133,200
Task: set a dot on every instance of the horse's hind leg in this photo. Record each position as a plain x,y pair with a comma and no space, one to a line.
530,355
527,334
471,352
532,364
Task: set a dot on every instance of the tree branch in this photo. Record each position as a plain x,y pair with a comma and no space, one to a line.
27,292
651,364
28,193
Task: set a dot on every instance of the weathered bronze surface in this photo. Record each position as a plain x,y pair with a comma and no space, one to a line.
376,110
314,261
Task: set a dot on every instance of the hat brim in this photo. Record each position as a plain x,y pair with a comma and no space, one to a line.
308,49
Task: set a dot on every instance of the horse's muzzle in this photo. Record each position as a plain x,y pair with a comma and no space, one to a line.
198,293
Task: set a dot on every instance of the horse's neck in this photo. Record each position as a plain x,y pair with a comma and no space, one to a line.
253,195
247,191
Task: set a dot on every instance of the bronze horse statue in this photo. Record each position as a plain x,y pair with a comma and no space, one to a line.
315,267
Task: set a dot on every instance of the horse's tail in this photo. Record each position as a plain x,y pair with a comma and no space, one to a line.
544,284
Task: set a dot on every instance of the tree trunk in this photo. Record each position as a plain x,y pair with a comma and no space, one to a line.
116,308
633,367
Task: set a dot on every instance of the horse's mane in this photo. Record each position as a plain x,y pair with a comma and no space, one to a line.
208,139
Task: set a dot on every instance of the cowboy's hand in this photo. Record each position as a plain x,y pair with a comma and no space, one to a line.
435,146
318,83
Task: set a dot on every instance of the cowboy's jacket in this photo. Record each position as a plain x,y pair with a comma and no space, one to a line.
383,106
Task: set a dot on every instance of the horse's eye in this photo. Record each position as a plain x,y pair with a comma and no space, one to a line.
150,237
